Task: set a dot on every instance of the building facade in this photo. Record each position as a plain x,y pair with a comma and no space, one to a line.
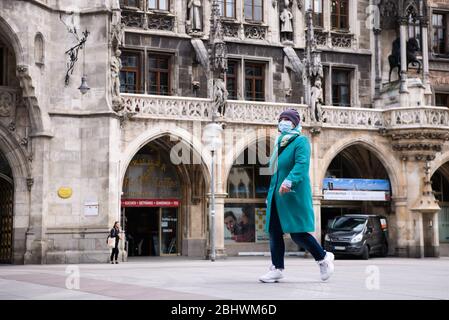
131,149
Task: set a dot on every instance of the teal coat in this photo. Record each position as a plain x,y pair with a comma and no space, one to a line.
295,210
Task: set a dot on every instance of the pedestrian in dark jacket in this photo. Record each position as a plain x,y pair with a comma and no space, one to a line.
115,234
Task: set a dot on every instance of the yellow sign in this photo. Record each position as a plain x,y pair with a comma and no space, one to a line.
65,193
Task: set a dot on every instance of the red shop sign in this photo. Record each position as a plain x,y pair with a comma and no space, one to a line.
150,203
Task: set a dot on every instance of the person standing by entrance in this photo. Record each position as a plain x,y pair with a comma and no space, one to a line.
115,234
289,201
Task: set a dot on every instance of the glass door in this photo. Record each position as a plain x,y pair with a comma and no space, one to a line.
168,231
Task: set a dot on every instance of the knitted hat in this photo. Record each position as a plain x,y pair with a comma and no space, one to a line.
292,115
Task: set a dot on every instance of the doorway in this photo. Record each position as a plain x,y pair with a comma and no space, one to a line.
151,231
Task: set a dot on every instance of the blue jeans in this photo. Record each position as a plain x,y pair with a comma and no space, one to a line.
277,246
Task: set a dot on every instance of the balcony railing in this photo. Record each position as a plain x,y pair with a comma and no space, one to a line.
267,113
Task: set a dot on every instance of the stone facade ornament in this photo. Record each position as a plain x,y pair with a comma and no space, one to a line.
117,34
316,101
116,65
195,16
255,32
218,62
7,102
220,97
286,18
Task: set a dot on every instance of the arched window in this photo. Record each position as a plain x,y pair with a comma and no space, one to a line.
39,49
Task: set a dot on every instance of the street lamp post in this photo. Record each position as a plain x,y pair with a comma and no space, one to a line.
218,65
212,140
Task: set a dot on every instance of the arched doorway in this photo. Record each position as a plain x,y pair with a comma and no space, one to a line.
161,199
440,186
356,182
6,211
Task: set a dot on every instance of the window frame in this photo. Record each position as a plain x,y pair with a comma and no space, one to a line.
339,16
158,71
349,85
158,6
235,76
446,95
252,11
435,28
224,4
138,69
312,6
253,79
124,4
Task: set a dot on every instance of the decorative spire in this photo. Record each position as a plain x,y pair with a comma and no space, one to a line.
218,48
218,62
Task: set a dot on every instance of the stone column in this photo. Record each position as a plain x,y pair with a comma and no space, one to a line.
403,36
378,63
36,240
425,59
219,225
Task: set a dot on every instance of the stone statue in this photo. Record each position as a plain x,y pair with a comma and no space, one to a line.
116,65
220,97
286,18
395,57
194,7
316,100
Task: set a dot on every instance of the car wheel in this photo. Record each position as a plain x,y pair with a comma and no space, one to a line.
384,250
365,252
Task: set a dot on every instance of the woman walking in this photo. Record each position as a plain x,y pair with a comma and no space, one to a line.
115,234
289,201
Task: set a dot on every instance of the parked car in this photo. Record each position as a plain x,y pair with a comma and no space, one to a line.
358,235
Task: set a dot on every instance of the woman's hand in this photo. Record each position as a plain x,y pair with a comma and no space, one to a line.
284,189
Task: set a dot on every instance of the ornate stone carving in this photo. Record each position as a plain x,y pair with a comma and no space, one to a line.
231,29
30,182
418,144
8,99
158,21
255,32
132,19
116,65
220,97
342,40
169,107
316,100
117,34
321,38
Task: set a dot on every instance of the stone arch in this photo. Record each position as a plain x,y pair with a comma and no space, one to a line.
438,162
383,155
10,32
21,172
153,134
240,146
40,120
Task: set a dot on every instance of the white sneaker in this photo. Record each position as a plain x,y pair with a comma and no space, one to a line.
327,266
274,275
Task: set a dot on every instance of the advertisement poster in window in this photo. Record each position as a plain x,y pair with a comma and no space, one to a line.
261,235
239,224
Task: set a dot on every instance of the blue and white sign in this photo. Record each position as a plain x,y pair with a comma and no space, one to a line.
356,189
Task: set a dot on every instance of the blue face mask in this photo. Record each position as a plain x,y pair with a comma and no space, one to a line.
285,126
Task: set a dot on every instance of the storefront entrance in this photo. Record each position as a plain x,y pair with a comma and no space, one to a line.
151,231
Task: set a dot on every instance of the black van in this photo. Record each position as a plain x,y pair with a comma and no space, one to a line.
357,234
